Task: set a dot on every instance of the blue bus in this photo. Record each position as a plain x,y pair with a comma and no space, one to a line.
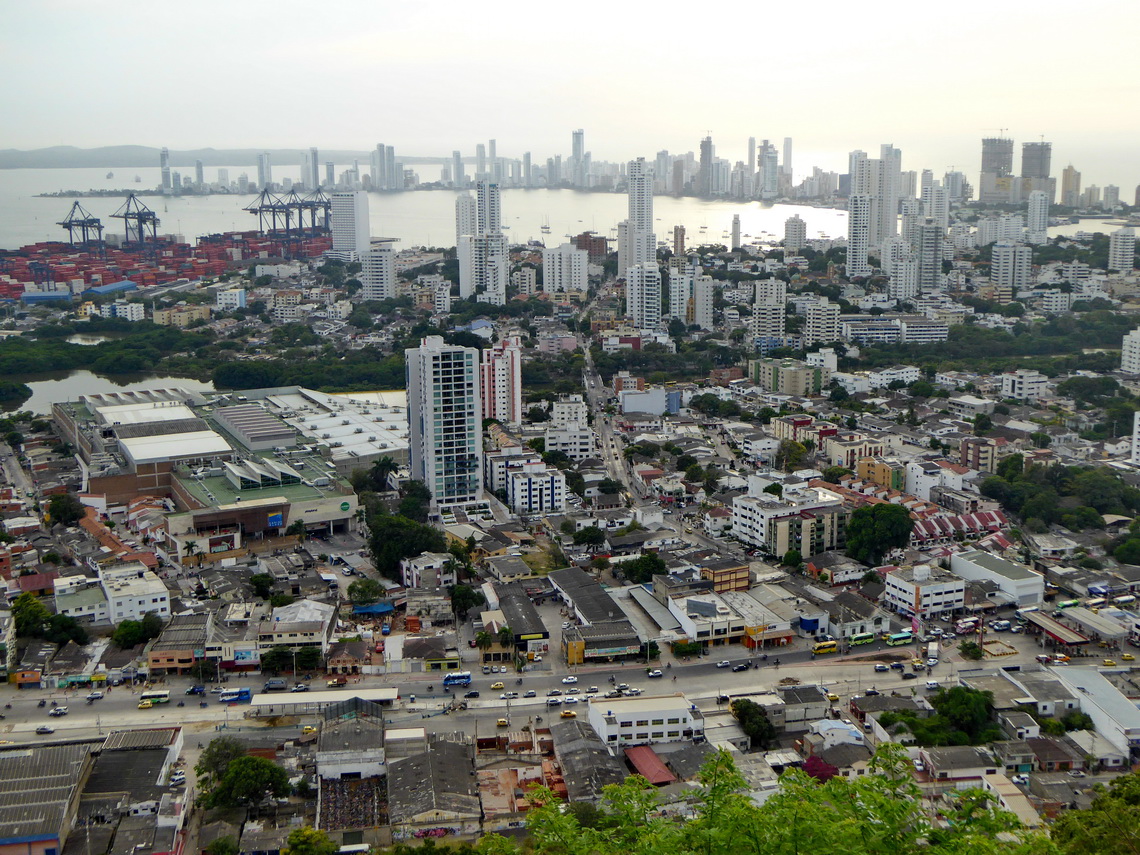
235,696
457,678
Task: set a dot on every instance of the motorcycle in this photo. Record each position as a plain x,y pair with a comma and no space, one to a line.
42,703
53,704
430,687
181,703
518,682
203,704
7,706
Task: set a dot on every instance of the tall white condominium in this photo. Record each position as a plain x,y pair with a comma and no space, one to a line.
773,292
822,326
312,177
1122,250
564,268
691,300
642,243
911,219
936,204
1010,266
795,235
890,183
929,256
1136,437
643,295
735,231
458,179
445,420
466,216
501,376
378,270
1130,353
483,268
768,321
348,217
488,203
264,170
858,234
903,284
1037,218
769,178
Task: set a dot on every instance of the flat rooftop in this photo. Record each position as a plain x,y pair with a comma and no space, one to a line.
219,490
995,564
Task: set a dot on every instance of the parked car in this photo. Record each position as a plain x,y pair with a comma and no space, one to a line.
178,778
300,687
553,693
529,693
554,702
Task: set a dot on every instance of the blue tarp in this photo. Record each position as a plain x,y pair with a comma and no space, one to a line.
374,609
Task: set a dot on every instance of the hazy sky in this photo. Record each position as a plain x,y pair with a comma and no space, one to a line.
429,77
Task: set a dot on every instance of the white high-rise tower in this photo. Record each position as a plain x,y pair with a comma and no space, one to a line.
795,235
643,295
501,381
445,420
378,270
1037,219
348,218
1122,250
858,234
466,216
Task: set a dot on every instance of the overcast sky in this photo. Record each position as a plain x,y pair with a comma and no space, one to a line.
429,77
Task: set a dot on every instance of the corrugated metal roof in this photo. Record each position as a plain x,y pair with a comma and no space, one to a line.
649,765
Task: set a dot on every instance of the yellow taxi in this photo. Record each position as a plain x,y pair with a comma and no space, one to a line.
569,714
498,685
1128,657
145,705
307,729
1109,663
502,723
831,696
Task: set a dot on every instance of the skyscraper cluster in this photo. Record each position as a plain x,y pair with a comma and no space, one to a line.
998,185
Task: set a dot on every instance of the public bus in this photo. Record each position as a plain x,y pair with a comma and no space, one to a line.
457,678
1095,602
155,697
1068,604
1125,600
862,638
235,696
900,638
824,647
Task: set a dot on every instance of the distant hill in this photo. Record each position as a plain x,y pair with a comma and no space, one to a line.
130,156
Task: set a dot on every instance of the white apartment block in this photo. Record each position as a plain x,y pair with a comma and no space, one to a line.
574,440
924,591
795,235
128,311
897,373
536,490
691,300
565,268
822,325
1011,265
132,591
1122,250
1025,384
378,271
646,720
445,420
348,221
1130,353
643,295
483,268
230,299
567,409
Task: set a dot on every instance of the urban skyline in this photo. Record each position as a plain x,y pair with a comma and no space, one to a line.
433,56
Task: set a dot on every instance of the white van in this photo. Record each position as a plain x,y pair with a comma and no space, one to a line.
1000,626
932,685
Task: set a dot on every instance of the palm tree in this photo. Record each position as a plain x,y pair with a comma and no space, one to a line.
506,637
484,641
191,548
381,470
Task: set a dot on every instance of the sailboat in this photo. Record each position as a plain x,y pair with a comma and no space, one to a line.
545,225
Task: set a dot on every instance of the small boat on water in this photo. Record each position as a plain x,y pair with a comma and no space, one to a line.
110,174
